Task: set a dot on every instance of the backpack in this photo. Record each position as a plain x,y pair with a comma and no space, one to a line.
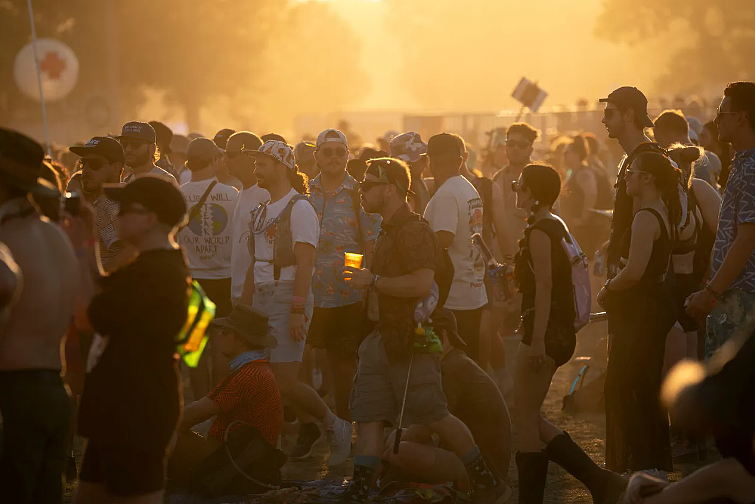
283,247
580,277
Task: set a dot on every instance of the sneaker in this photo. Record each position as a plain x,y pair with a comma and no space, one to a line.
499,494
309,433
339,436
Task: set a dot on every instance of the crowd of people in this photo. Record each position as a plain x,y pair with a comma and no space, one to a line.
391,262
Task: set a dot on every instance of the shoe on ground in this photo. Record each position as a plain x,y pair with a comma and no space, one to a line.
499,494
308,436
339,436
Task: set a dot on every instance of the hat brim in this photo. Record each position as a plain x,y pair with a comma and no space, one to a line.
647,122
266,340
83,150
130,137
254,153
41,187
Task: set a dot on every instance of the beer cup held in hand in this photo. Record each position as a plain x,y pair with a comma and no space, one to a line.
352,260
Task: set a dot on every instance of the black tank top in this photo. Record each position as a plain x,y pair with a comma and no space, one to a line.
659,258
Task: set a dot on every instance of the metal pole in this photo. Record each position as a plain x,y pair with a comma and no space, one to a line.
39,76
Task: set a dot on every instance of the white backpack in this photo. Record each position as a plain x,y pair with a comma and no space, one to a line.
580,278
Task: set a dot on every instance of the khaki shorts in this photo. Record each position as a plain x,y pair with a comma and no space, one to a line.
274,300
379,387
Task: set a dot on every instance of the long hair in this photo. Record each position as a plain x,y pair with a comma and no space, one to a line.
298,180
685,157
667,180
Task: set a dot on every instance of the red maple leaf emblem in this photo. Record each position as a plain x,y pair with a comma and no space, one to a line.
52,65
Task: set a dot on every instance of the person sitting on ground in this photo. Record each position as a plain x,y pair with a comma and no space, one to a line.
474,399
247,396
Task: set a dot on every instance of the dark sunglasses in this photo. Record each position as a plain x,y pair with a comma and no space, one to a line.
522,144
370,184
134,144
719,115
93,164
330,152
127,209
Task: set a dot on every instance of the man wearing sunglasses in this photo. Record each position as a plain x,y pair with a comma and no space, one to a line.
338,311
730,294
102,163
520,139
139,142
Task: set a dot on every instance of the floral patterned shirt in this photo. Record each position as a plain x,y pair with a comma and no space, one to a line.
339,233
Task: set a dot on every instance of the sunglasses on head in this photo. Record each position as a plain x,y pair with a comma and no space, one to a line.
336,151
134,144
522,144
93,164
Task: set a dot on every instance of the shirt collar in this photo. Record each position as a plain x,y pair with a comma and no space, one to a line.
402,215
348,184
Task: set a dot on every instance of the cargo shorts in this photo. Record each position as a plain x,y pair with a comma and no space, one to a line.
379,386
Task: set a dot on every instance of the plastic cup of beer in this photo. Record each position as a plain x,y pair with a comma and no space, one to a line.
352,260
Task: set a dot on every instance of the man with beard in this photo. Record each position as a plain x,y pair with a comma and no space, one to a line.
240,164
34,402
338,312
138,140
102,162
285,232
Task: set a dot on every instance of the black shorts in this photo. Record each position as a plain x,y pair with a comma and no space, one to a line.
219,292
468,327
125,471
338,330
36,412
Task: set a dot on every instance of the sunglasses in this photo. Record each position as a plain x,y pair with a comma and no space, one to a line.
367,185
522,144
330,152
720,115
93,164
130,209
134,144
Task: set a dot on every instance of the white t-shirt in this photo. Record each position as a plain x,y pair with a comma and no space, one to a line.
207,237
249,199
305,228
457,208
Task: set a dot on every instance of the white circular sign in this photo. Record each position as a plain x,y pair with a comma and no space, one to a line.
58,66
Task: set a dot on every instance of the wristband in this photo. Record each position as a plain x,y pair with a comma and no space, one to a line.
373,284
716,294
298,301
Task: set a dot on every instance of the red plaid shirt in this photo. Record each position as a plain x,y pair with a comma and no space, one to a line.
251,396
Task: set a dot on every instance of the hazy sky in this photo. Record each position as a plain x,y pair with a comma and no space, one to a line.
565,57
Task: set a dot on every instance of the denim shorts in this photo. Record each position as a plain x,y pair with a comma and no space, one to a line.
274,300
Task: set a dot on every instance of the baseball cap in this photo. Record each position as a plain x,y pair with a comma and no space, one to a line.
155,194
408,147
163,135
21,164
222,136
390,170
107,147
280,151
202,148
445,144
443,319
139,130
331,135
180,143
304,149
631,98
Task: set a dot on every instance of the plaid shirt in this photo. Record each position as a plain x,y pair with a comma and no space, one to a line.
107,216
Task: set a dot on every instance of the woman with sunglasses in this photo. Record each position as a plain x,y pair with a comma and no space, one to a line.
549,338
642,312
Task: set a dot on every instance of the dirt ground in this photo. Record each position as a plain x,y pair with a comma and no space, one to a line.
587,430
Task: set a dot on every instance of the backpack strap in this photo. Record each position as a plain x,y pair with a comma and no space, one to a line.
194,211
356,204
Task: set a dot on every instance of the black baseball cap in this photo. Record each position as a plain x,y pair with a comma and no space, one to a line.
628,97
139,131
443,319
155,194
390,171
107,147
163,135
222,136
445,144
